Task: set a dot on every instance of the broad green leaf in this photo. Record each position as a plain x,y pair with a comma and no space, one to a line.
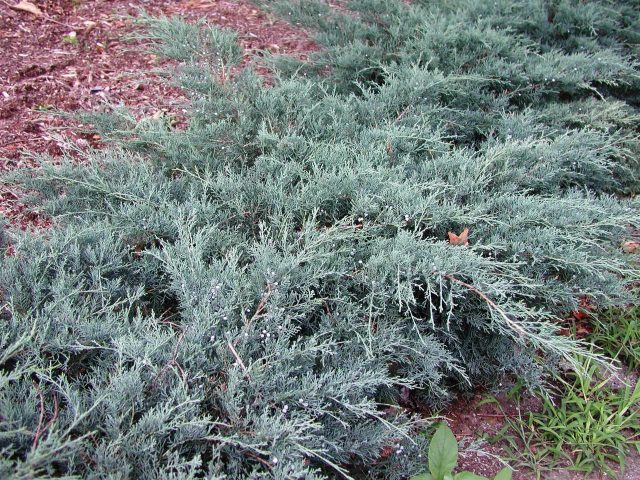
504,474
443,452
422,476
468,476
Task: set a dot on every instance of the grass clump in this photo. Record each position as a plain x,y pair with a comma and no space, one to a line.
592,421
256,295
589,425
617,333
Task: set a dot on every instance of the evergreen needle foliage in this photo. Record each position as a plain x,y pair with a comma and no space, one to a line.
254,295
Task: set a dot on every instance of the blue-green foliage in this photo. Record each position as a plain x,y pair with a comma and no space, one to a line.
261,294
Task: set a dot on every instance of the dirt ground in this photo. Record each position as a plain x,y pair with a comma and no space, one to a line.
71,55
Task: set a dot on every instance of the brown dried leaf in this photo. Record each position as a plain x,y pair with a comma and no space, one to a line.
630,246
27,7
462,239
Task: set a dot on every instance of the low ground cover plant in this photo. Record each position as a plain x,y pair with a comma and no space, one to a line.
443,458
589,425
404,215
617,333
590,420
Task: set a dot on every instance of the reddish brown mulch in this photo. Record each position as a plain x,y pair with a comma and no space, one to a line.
43,69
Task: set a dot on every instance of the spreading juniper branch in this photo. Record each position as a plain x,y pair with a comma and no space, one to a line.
286,256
